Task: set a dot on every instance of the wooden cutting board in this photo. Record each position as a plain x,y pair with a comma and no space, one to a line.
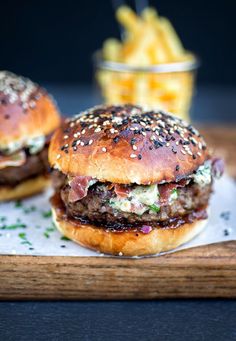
208,271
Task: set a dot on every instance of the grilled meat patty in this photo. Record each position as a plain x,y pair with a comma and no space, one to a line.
34,165
96,207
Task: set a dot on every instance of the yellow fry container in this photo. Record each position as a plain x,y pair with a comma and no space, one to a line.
164,86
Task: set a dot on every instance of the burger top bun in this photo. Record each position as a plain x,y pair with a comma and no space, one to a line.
26,111
127,144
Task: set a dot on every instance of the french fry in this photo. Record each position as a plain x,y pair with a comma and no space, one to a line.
112,50
149,15
128,18
171,39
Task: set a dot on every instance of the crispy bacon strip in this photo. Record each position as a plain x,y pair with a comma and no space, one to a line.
166,189
79,188
121,191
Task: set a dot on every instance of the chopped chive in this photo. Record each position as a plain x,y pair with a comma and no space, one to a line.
47,214
65,238
174,194
46,235
18,203
50,229
22,235
12,227
25,241
30,209
155,208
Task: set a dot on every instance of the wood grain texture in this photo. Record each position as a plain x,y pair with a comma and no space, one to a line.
208,271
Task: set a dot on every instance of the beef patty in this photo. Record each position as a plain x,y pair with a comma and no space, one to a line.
35,165
95,205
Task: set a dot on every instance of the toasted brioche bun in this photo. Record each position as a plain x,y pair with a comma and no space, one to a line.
24,189
126,243
96,144
26,110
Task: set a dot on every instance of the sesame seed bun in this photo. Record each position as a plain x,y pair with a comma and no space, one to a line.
127,243
25,188
127,144
26,110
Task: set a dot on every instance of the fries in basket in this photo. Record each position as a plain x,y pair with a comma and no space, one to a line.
149,66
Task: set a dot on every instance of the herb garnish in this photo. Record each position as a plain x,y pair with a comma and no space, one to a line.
25,241
47,214
155,208
49,230
18,203
65,238
30,209
46,234
13,226
174,194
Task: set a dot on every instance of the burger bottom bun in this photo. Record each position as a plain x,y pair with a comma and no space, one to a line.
25,188
127,243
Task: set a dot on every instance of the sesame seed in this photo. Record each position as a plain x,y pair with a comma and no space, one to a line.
82,143
90,142
58,156
133,156
199,154
167,145
104,149
65,137
183,152
135,147
97,130
83,132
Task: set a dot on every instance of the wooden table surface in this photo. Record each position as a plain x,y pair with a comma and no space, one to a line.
208,271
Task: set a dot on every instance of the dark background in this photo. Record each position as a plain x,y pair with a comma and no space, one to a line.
188,320
52,41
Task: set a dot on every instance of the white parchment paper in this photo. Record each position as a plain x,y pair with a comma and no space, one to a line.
26,226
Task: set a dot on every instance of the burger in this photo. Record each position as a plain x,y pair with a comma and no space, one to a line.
28,116
130,181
